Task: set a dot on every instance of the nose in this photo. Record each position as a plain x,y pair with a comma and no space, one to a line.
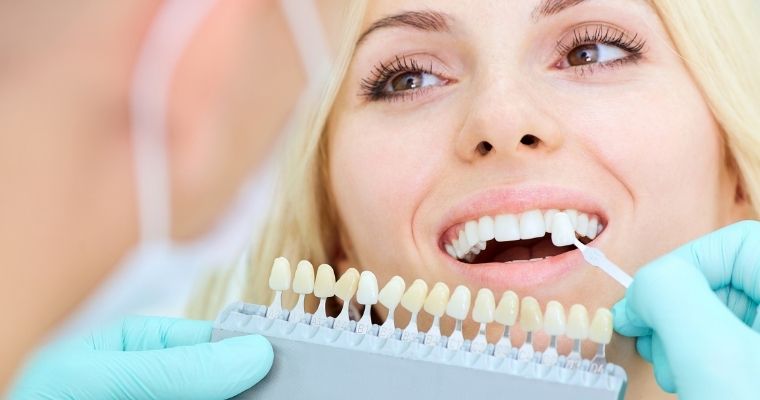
507,118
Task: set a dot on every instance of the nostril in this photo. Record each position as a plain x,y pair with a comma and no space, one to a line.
529,140
484,148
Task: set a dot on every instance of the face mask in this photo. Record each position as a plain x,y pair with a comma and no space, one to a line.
159,266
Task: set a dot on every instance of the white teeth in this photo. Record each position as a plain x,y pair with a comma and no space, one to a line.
324,285
506,228
581,225
279,279
507,310
346,286
593,226
414,297
530,315
548,218
532,224
435,304
459,303
483,310
577,322
485,229
471,233
482,245
303,281
367,292
562,230
460,245
554,319
391,293
573,214
451,251
601,327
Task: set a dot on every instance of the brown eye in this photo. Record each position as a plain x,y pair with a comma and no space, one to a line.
582,55
406,81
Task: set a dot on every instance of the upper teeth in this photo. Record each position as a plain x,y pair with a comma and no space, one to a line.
473,235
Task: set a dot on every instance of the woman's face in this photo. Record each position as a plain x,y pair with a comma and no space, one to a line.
499,111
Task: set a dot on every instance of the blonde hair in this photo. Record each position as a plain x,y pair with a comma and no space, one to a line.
716,39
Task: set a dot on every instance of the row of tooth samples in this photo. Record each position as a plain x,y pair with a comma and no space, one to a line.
440,302
469,239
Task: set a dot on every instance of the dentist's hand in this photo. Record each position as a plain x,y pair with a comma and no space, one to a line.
691,311
147,358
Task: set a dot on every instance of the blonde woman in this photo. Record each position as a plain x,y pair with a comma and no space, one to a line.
640,115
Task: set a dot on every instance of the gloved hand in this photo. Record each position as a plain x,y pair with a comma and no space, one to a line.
690,310
146,358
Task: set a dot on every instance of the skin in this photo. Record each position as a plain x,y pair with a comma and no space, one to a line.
636,137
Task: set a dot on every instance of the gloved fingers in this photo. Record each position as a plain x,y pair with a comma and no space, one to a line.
153,333
644,347
662,372
203,371
627,323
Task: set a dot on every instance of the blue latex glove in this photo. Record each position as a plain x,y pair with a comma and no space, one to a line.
691,311
147,358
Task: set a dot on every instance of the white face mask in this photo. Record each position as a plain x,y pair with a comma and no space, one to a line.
159,266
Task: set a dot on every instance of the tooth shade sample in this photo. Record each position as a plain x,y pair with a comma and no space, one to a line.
471,232
549,218
459,303
484,307
532,224
346,286
485,229
303,281
391,293
506,228
601,327
324,284
279,279
577,322
435,304
507,310
530,314
581,225
563,233
554,319
367,292
414,298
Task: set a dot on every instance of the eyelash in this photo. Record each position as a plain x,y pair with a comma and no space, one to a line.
373,87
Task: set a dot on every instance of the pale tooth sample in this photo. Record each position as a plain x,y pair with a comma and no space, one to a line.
457,308
324,288
549,218
577,330
482,313
581,225
413,300
451,251
573,214
366,295
303,284
435,305
485,229
563,233
554,326
471,233
279,281
593,227
506,314
506,228
345,288
390,296
530,321
601,334
532,224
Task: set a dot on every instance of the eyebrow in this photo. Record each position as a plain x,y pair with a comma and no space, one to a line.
548,8
425,20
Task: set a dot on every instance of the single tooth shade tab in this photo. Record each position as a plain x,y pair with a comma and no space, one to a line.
554,319
506,228
303,281
459,303
346,286
563,233
484,307
391,293
471,232
279,279
367,292
485,229
530,314
532,224
435,304
507,310
601,327
324,284
414,297
577,322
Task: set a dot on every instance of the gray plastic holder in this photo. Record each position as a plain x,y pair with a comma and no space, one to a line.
319,362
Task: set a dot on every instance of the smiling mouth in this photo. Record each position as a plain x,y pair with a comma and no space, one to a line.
512,238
